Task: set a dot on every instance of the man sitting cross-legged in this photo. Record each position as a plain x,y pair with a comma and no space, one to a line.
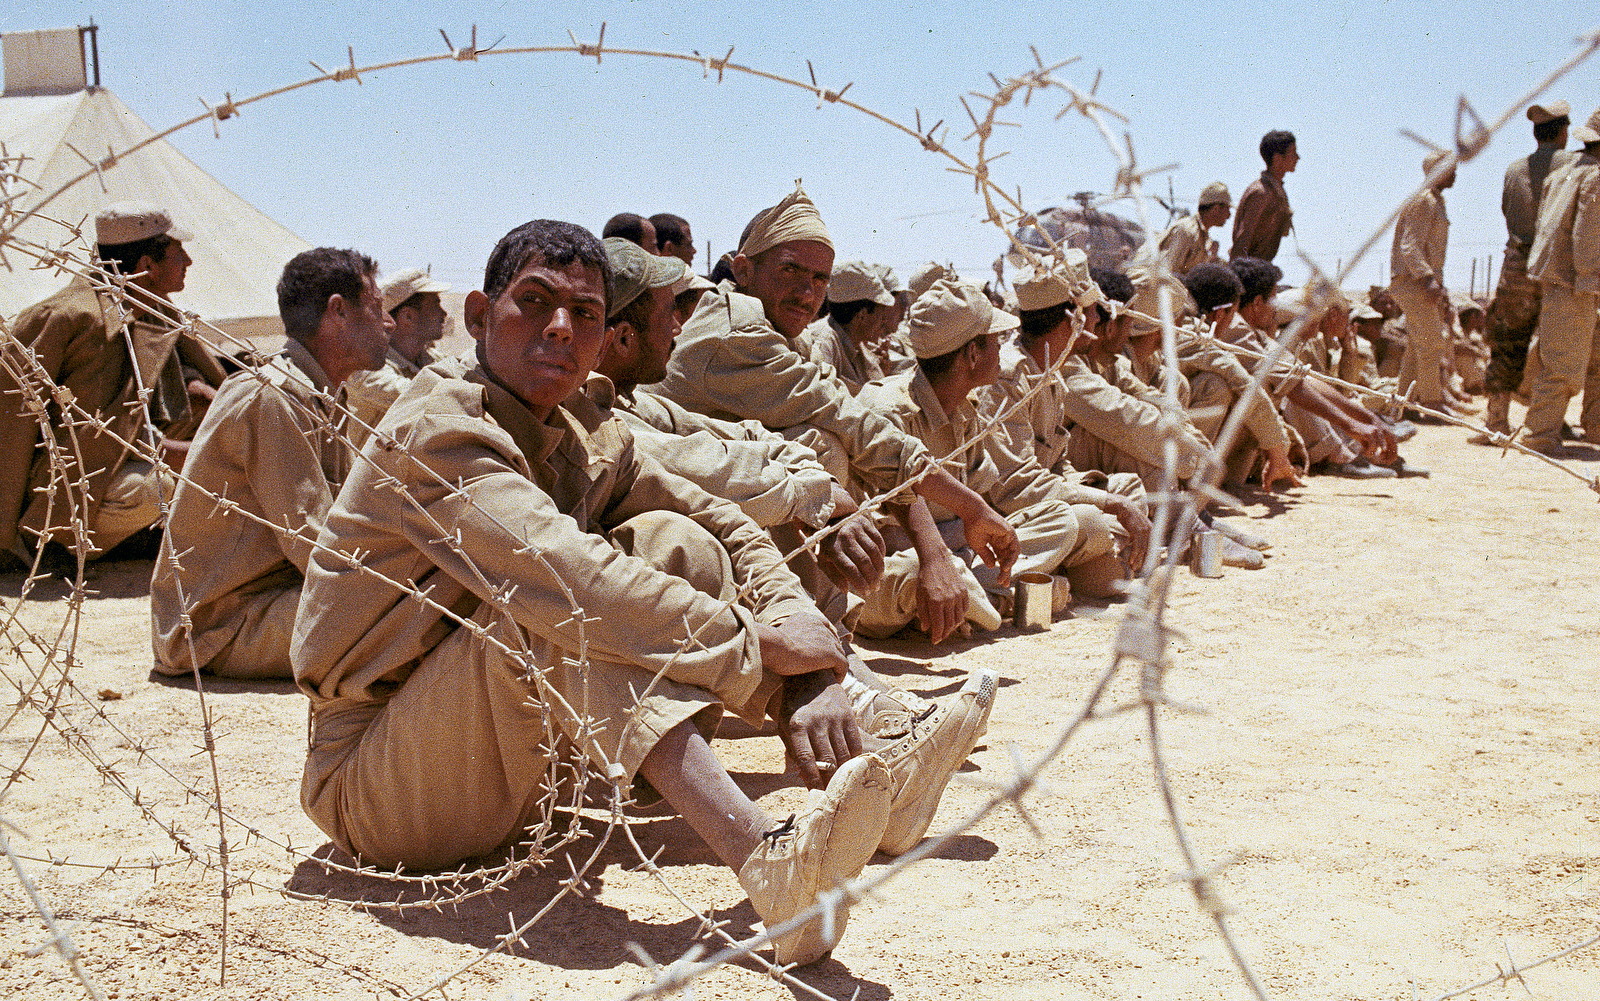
273,445
779,483
503,573
1060,525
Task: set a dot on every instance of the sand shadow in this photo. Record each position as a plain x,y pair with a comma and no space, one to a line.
225,686
101,579
579,932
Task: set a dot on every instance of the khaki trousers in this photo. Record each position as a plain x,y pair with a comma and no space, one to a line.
1568,364
465,755
132,501
1051,535
1425,342
260,649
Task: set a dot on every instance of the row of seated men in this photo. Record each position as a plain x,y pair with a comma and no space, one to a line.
621,467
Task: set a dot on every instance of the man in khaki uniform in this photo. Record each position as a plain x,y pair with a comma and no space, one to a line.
861,312
737,360
1186,242
1514,311
1061,525
1264,217
79,339
780,484
1078,421
412,300
1417,266
577,595
1565,261
273,445
674,238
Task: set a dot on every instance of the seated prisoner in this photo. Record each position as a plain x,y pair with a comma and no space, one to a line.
412,301
1061,526
738,359
273,446
79,339
528,581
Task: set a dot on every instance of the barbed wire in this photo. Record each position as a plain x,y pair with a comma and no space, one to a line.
1142,638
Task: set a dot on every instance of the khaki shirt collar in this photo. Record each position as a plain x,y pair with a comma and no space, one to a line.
306,362
568,428
927,401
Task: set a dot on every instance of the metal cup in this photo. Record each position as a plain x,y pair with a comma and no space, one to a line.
1205,553
1035,592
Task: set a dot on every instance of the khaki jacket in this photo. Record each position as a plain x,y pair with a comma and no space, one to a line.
1262,219
1420,235
773,480
824,342
1198,354
78,343
274,446
371,393
992,467
1184,245
1566,251
731,363
1077,396
480,502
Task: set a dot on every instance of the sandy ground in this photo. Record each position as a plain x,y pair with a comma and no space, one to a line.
1398,760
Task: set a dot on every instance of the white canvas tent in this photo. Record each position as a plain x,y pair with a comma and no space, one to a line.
238,252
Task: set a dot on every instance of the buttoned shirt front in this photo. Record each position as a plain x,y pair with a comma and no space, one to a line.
1262,220
1420,236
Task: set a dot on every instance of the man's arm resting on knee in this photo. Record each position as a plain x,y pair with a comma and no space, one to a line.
988,535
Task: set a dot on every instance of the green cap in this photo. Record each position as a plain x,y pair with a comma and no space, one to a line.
635,270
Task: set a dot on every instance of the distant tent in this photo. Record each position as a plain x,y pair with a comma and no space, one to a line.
238,252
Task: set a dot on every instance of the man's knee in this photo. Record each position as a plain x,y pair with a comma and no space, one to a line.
674,544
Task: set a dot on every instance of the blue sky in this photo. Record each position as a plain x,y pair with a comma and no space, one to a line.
430,164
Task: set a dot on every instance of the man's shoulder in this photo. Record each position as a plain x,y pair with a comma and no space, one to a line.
723,311
76,303
891,394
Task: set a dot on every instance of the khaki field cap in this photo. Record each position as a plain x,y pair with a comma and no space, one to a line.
412,281
891,281
634,270
952,313
1145,306
691,282
855,281
794,218
1589,132
923,278
1538,114
1365,312
1215,193
129,222
1052,283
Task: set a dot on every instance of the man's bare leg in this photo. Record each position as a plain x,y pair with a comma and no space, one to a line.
687,773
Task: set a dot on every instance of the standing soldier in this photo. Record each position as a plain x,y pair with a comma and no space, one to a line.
1417,264
1264,217
1514,312
1565,261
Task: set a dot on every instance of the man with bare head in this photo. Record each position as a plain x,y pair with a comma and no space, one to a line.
1264,217
274,444
673,237
633,228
